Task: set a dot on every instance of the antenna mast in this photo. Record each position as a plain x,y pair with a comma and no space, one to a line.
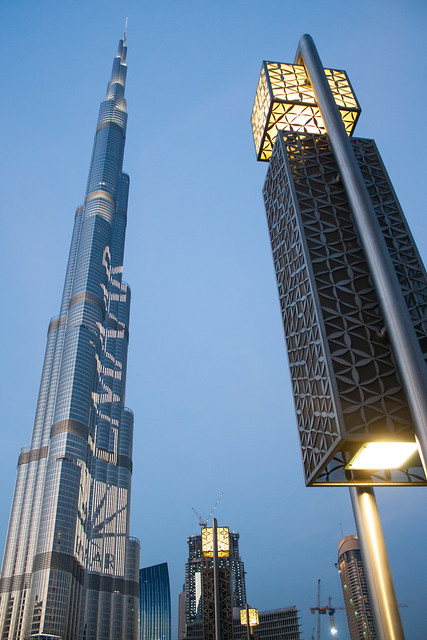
125,31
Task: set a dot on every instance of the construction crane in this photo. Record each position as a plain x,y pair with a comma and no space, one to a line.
330,610
203,522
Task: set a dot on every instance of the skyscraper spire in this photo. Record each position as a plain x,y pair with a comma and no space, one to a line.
70,569
125,31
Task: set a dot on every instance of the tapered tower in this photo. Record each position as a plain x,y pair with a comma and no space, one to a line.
70,569
355,590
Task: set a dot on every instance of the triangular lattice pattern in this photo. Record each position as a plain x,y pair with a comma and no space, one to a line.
344,377
401,245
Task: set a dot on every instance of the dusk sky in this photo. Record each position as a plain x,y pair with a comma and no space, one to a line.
208,377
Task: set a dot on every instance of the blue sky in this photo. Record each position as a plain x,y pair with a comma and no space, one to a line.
207,374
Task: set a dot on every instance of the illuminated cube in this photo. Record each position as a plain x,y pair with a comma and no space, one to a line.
223,542
253,617
285,101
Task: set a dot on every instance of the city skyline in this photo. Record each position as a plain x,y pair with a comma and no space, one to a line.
207,354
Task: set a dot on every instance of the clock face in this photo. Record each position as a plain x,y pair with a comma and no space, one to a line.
223,542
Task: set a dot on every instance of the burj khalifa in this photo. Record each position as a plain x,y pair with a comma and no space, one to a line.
70,569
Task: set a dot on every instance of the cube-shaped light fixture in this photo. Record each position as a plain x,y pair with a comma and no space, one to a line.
253,617
285,100
223,542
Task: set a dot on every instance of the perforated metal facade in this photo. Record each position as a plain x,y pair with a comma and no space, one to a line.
346,387
225,604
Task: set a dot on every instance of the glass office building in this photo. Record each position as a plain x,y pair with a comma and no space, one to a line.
70,569
154,603
355,590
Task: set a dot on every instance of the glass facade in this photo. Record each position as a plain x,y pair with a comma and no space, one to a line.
355,591
154,603
70,569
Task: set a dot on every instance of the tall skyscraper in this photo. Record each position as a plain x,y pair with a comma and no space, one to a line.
154,603
193,575
355,590
70,569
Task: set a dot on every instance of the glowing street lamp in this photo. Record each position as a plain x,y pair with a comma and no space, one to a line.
285,100
249,618
352,290
223,542
349,394
253,616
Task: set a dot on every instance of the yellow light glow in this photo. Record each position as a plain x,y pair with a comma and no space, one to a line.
253,617
382,455
285,101
223,542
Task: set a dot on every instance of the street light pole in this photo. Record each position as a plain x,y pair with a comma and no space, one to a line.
409,358
248,626
406,348
216,579
378,575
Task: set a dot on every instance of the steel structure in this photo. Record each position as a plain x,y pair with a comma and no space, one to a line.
353,294
347,389
225,604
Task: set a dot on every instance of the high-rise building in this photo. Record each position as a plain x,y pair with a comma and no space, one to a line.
70,569
355,590
154,603
193,576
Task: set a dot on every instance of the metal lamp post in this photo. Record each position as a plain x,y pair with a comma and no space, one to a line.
352,289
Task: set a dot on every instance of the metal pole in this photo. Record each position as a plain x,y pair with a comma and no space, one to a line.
383,598
216,580
248,628
406,349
